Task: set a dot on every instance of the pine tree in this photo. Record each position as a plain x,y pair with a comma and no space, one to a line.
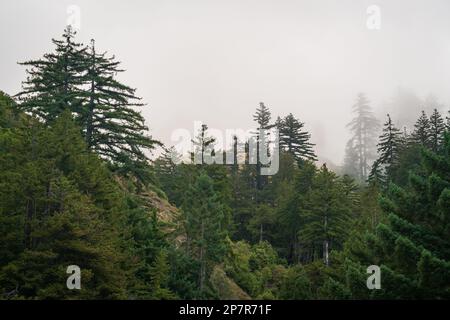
83,81
447,125
8,117
262,118
290,209
244,200
159,274
204,224
351,160
111,125
327,215
53,82
413,246
422,130
278,123
294,140
364,128
437,129
203,145
58,207
262,220
296,285
169,175
389,146
351,190
376,175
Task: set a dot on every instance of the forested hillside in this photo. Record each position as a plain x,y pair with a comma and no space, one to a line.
79,186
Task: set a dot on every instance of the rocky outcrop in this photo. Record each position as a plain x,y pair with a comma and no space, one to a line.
226,287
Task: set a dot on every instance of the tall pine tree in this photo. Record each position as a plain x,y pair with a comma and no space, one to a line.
364,127
412,247
262,118
326,217
389,146
295,140
437,129
421,133
204,221
79,79
111,125
54,81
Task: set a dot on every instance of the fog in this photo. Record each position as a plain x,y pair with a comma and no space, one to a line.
215,61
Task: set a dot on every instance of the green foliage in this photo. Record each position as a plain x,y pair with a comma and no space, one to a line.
159,278
205,225
421,133
255,268
77,78
60,206
327,214
295,285
294,140
172,176
61,200
53,82
76,188
437,129
360,149
413,247
389,146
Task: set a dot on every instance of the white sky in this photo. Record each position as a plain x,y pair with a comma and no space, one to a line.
216,60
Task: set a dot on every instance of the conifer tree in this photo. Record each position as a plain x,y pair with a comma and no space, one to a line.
389,146
364,129
376,175
168,172
294,140
350,189
244,200
291,210
7,114
413,246
351,166
111,125
202,144
79,79
327,215
204,224
437,129
278,123
262,118
53,82
422,130
58,207
447,125
159,274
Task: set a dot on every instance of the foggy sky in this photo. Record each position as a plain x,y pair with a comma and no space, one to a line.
215,61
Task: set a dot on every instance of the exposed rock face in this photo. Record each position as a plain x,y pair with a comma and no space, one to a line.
165,212
154,200
227,288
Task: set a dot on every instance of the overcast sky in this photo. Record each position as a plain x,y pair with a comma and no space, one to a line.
214,61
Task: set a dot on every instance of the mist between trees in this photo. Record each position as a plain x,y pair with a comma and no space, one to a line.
77,188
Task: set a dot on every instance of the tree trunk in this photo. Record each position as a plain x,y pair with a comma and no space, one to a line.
90,116
326,243
326,252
